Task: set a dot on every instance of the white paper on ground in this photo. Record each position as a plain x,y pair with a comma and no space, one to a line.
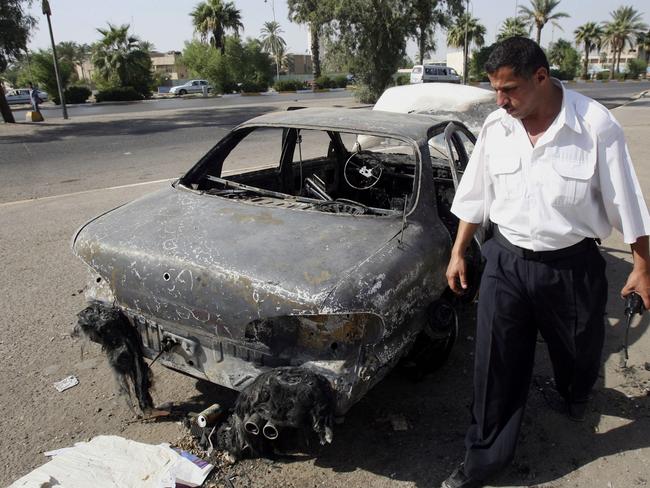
65,383
115,462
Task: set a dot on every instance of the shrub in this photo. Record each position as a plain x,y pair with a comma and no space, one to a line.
324,81
340,81
289,85
253,87
119,94
365,94
562,75
77,94
636,67
602,75
402,80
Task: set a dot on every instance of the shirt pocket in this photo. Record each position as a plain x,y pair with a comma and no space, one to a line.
505,171
570,179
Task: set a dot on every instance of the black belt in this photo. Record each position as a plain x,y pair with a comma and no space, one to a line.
524,253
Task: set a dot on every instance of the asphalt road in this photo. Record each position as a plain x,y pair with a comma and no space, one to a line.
122,146
80,110
610,94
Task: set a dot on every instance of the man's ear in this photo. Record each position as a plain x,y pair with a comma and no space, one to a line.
541,74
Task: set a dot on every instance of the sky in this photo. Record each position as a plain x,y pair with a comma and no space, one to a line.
167,24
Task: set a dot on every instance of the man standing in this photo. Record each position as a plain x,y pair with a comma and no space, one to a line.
34,98
552,173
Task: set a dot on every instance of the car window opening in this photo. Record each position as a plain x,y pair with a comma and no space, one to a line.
309,169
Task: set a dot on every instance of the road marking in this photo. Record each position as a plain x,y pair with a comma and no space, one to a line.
63,195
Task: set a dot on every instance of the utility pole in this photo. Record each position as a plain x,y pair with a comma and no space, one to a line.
48,12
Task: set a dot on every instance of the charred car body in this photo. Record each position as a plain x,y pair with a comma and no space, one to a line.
313,240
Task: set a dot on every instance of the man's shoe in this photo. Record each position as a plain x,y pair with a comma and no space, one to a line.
577,411
458,479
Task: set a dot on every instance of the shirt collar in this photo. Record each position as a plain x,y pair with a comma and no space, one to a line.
567,115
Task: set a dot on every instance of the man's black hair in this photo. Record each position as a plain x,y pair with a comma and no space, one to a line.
521,54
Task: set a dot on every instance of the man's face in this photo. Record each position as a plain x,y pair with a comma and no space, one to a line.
520,97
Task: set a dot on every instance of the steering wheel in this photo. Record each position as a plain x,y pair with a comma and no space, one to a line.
365,172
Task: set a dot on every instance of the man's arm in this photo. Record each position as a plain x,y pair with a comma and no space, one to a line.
639,279
457,269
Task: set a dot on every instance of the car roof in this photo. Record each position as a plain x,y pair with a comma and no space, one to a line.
355,121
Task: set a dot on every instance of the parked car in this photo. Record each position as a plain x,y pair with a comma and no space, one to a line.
297,262
192,86
21,95
430,73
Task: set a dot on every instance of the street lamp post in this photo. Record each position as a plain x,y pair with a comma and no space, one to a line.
465,46
48,12
277,61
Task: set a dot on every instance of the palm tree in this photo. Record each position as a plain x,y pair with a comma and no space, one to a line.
82,54
425,16
273,43
511,27
315,13
624,28
465,31
119,56
540,14
589,35
212,18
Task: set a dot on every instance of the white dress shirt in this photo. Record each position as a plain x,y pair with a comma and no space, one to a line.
577,181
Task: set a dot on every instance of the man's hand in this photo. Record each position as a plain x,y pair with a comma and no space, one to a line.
639,279
457,268
457,274
639,282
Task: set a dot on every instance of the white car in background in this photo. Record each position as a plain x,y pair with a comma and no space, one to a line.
432,73
192,86
21,95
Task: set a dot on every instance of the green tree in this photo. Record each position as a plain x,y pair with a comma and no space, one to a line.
315,13
273,43
212,19
238,64
623,29
42,68
540,13
120,60
373,34
644,43
589,35
511,27
15,28
465,31
477,63
426,15
563,55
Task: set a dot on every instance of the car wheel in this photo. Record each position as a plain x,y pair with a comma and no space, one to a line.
182,92
433,345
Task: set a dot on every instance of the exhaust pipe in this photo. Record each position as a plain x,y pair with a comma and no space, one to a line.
252,424
270,431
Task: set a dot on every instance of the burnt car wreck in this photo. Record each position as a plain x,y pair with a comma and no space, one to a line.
297,262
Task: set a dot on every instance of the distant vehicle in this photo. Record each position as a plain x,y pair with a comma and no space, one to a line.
192,86
21,95
430,73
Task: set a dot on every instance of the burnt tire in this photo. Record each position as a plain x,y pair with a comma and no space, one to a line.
433,345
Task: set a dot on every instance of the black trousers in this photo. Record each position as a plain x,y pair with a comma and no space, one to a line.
565,300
